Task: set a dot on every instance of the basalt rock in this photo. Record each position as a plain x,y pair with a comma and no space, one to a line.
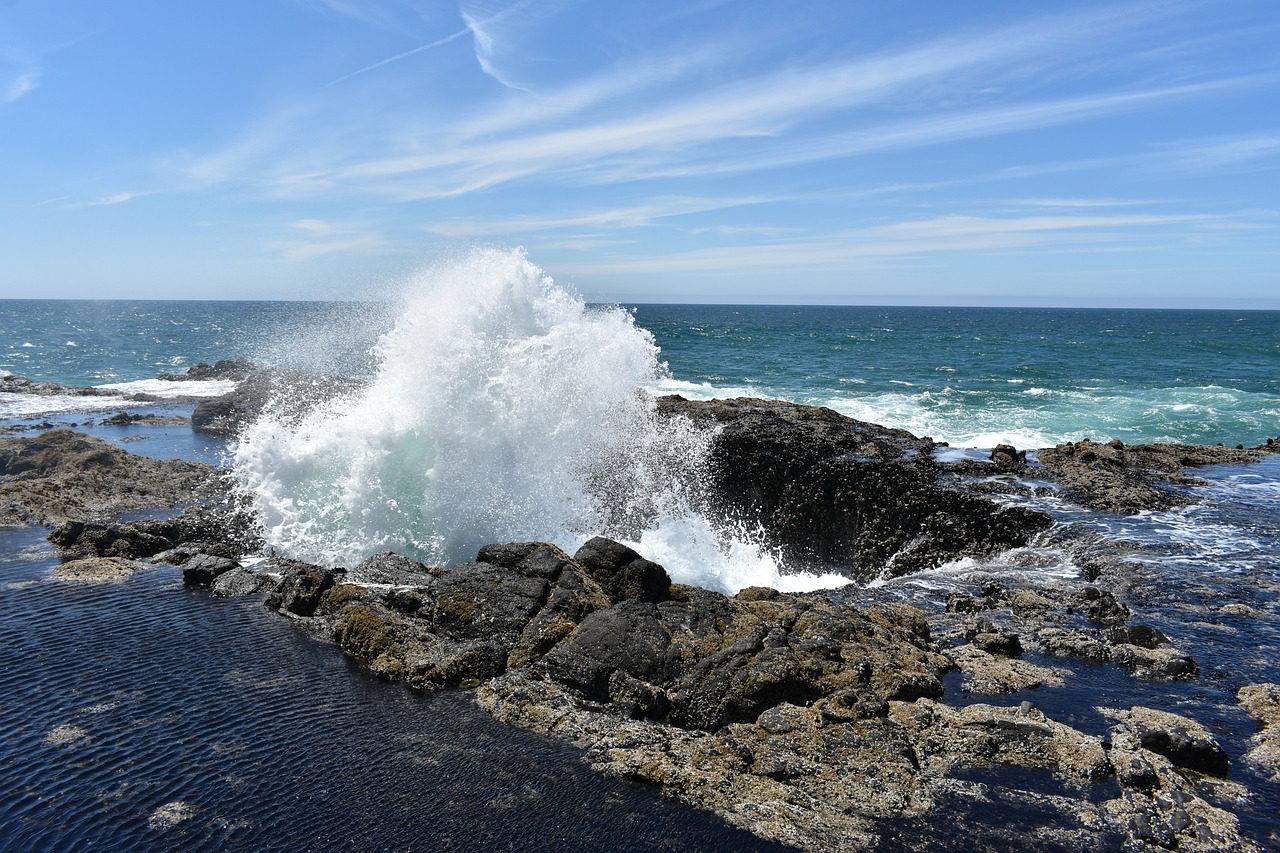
829,490
60,474
288,393
1121,478
219,530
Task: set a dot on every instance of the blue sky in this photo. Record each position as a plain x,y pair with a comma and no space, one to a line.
704,151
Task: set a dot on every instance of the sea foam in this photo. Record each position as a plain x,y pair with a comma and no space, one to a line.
503,408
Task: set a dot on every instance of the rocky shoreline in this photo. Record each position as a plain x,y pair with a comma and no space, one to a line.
820,721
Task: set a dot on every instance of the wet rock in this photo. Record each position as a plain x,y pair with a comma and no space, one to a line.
1008,458
992,675
224,368
301,589
623,573
216,529
1074,643
240,581
830,490
392,569
134,419
1159,805
97,569
1262,702
1115,477
1155,664
986,635
201,570
1183,741
60,475
287,393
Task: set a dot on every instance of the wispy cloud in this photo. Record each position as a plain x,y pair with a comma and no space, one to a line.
320,238
1245,152
913,239
635,216
22,84
752,124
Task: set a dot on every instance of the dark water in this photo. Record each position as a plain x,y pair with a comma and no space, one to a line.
121,697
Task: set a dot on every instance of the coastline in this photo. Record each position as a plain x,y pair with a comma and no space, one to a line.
996,639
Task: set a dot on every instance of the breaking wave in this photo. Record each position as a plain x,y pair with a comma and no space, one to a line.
503,408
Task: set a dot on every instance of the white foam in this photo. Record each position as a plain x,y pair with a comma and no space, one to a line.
34,405
169,389
503,409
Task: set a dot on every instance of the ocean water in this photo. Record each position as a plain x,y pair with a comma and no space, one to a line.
497,406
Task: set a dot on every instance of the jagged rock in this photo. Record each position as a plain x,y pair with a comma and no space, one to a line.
1156,664
290,393
61,474
225,368
1181,740
830,490
1115,477
216,530
1074,643
981,735
241,581
394,570
1159,805
1262,701
201,570
301,589
623,573
990,674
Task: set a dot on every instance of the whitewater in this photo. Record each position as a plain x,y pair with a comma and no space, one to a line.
502,408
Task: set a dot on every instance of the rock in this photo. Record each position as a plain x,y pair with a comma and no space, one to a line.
394,570
829,490
1074,643
623,573
988,674
241,581
61,474
1262,702
982,735
1158,804
226,368
11,384
1008,458
133,419
1183,741
201,570
301,589
1155,664
289,393
1115,477
97,569
217,530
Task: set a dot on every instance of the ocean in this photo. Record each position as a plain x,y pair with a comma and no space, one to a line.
498,406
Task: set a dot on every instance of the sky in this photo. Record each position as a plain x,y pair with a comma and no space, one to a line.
743,151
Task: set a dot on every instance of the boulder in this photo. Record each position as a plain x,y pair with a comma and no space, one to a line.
828,490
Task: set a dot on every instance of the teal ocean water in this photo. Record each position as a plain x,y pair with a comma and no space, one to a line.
970,376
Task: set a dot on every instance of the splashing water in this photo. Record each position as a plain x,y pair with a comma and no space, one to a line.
503,409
